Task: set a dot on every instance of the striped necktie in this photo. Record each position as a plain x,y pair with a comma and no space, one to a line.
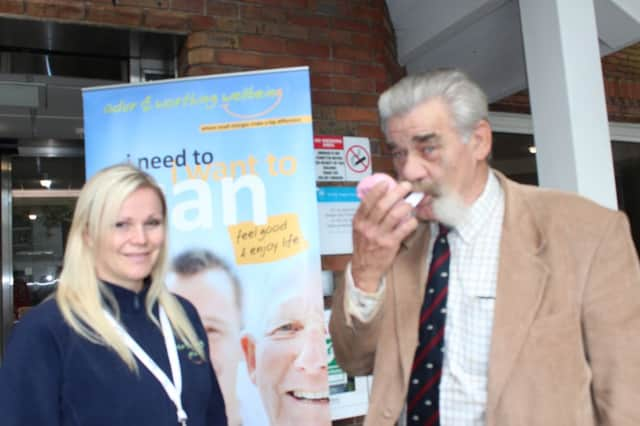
422,398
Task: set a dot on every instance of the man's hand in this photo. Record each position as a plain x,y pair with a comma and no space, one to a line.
380,224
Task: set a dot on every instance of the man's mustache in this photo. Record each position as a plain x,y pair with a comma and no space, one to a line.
427,187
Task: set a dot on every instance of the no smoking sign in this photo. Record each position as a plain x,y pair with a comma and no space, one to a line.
358,159
342,158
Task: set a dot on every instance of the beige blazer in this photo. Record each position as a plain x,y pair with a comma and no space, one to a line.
565,348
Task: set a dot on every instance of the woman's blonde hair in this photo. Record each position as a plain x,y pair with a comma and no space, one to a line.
81,296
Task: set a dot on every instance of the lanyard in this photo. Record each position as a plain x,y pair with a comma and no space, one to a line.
173,389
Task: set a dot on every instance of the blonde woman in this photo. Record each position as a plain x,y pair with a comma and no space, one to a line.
113,347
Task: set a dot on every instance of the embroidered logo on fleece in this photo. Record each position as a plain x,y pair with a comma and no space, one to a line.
191,354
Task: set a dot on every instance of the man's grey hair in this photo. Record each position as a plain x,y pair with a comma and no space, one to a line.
466,101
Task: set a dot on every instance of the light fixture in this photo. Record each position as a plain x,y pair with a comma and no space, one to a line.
45,182
33,216
532,149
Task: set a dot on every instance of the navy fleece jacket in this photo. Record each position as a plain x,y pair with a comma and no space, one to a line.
52,376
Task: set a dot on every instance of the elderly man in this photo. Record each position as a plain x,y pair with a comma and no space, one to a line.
491,303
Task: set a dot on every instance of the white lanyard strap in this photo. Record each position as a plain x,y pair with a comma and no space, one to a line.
173,389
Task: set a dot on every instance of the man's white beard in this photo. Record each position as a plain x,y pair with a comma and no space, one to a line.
449,209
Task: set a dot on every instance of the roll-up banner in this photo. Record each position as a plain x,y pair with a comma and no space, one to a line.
234,156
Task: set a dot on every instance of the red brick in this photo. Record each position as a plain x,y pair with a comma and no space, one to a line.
69,10
321,112
353,84
229,25
286,4
609,67
371,132
262,44
319,34
319,81
309,20
351,25
636,90
286,30
219,8
226,57
363,41
124,16
373,71
322,65
368,13
201,23
364,100
609,88
351,54
356,114
195,6
201,55
340,7
197,39
629,89
147,4
206,70
283,61
166,20
221,40
12,6
262,13
251,27
303,48
332,67
382,163
331,98
340,36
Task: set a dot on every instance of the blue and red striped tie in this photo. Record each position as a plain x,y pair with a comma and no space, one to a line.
423,398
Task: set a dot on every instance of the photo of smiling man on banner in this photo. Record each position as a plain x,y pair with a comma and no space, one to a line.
286,354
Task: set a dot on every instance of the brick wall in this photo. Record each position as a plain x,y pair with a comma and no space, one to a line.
622,84
621,71
348,44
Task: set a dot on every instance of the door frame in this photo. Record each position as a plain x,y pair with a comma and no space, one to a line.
6,247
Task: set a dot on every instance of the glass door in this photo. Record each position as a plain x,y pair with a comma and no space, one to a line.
40,226
38,199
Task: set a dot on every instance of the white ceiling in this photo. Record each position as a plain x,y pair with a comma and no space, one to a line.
484,37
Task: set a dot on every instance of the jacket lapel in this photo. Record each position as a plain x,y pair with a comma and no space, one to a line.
408,293
522,277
